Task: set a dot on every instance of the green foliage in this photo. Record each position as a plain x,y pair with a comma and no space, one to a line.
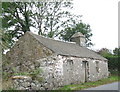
6,39
105,52
36,75
51,17
5,75
47,17
80,27
12,16
114,72
113,62
113,59
116,51
15,21
21,73
5,64
70,88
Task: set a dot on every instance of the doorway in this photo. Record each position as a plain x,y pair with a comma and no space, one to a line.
85,67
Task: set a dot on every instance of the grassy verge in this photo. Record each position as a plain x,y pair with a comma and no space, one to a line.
112,78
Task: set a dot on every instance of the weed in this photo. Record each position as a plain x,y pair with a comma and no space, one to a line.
81,86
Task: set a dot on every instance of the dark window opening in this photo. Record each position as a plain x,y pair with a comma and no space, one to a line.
70,61
97,66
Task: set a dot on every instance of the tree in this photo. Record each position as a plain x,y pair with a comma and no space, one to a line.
113,60
51,17
47,17
116,51
16,14
104,52
6,40
80,27
15,21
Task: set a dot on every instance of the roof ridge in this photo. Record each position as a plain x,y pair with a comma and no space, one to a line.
51,38
65,48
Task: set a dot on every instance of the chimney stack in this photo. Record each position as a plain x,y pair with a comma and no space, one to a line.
79,38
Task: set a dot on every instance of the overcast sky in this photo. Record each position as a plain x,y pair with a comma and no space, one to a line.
102,15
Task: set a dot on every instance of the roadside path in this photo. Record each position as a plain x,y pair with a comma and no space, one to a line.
111,86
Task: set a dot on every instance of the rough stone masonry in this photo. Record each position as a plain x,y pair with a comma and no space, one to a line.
38,63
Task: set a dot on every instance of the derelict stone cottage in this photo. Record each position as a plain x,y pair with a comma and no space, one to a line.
53,63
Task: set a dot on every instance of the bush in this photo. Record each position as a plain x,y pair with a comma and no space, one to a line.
113,63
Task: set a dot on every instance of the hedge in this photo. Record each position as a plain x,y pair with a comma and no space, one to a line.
113,62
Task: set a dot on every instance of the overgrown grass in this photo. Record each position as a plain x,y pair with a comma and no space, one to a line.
7,83
110,79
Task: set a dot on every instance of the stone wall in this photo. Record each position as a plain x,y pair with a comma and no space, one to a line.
58,71
32,66
21,57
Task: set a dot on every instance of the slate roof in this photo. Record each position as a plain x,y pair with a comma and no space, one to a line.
68,49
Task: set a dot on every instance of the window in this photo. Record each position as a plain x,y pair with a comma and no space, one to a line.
97,66
70,61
